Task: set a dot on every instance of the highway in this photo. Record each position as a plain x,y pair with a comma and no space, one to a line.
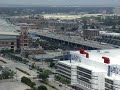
13,65
75,40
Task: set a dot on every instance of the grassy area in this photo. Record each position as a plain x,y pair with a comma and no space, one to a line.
62,79
3,61
23,71
47,83
17,58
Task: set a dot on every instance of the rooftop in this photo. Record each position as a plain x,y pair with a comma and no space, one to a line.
109,34
95,61
10,33
96,55
6,26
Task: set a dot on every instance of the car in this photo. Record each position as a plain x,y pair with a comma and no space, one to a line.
30,68
60,85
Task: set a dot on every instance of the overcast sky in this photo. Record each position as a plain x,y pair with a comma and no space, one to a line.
60,2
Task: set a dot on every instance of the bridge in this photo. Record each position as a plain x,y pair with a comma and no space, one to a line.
74,41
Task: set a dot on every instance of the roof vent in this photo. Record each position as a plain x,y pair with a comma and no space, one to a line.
106,60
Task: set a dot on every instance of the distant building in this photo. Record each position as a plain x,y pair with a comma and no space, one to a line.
9,40
14,40
24,37
31,26
90,33
92,69
117,10
33,51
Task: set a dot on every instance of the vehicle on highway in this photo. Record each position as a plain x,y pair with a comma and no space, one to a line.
60,85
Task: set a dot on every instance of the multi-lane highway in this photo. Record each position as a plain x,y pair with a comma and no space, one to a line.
74,40
13,65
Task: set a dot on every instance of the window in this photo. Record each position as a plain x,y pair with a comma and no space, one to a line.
108,84
25,41
109,81
64,66
25,44
6,42
84,75
2,42
12,46
83,70
12,43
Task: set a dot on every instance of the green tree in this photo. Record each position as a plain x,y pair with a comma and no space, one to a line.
42,87
44,75
34,88
7,74
52,64
26,55
27,81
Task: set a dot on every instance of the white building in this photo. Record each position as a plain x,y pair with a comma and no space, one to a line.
92,70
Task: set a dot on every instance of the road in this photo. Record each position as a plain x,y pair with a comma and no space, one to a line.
74,39
13,65
56,84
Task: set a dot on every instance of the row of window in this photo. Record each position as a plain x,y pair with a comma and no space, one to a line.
85,84
64,73
84,70
84,79
84,74
108,81
59,64
5,43
108,86
64,69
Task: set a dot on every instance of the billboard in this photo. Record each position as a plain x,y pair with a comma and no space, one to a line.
113,70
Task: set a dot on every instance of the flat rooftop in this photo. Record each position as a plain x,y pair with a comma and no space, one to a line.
96,55
112,54
9,33
6,26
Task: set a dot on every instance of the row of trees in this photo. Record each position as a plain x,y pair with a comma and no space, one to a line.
28,82
62,79
17,58
7,74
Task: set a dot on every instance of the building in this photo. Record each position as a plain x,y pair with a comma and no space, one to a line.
92,70
32,51
117,10
14,40
90,33
31,26
24,37
9,40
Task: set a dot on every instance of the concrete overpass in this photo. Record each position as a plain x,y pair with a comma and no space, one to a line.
74,41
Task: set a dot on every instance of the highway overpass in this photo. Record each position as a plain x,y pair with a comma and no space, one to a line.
74,41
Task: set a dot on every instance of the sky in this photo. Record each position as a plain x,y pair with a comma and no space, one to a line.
60,2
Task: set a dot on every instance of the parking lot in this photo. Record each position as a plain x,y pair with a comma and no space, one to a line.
15,85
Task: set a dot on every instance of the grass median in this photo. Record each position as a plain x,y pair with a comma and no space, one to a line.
23,71
3,61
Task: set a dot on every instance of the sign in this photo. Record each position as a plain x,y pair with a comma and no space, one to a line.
74,56
114,69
